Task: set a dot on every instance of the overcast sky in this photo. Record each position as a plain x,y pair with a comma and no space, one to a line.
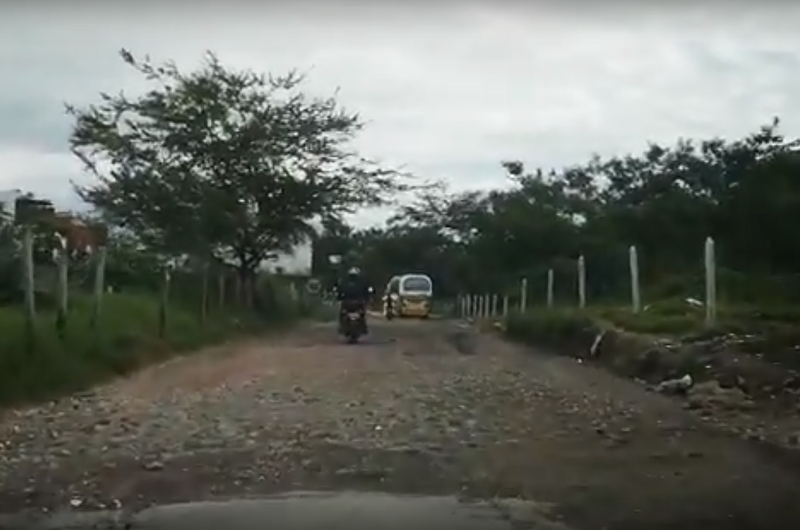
449,91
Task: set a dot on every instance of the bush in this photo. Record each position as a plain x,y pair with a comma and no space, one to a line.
555,327
126,339
669,317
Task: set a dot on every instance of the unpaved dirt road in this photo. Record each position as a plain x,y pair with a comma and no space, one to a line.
422,407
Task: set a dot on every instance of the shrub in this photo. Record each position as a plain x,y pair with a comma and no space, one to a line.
550,327
664,319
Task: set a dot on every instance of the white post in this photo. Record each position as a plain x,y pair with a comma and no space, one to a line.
711,283
523,295
494,305
62,260
581,282
505,306
478,306
486,307
636,296
551,280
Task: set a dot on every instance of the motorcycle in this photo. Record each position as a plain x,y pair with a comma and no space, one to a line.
353,324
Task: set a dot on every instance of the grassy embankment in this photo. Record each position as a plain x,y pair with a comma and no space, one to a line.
126,338
771,335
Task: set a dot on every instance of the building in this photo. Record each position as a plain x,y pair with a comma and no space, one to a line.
8,200
295,263
298,261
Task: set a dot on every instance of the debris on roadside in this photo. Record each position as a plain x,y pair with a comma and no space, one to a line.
675,386
594,350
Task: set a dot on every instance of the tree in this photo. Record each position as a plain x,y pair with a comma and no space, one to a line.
665,200
223,164
10,269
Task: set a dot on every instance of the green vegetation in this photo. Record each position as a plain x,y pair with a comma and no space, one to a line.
665,201
127,337
554,328
667,318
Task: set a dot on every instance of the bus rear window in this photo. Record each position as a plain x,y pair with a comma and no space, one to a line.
416,284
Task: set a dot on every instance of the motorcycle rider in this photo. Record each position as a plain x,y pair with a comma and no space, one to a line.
353,292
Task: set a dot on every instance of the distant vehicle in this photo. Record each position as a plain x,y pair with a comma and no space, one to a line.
408,295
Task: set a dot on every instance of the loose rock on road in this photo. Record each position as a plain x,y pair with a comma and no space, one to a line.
419,407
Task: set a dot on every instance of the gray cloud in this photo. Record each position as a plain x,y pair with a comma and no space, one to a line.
448,92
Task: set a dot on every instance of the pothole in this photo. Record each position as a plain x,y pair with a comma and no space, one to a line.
463,340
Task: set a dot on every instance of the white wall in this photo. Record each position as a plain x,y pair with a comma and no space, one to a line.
297,262
8,200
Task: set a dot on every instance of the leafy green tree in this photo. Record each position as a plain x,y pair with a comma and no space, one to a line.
10,270
223,164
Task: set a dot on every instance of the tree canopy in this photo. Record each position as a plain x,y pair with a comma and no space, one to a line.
224,164
744,193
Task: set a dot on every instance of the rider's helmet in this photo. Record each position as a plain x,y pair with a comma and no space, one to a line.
353,272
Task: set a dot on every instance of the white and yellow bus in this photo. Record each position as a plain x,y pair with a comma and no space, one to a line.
408,295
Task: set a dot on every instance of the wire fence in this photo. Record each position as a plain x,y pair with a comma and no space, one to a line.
58,295
619,283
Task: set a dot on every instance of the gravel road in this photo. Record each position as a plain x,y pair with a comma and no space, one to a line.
422,407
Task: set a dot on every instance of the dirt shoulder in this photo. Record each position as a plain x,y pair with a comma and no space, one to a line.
421,407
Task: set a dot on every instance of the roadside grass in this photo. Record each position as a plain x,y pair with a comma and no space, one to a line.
669,317
125,340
